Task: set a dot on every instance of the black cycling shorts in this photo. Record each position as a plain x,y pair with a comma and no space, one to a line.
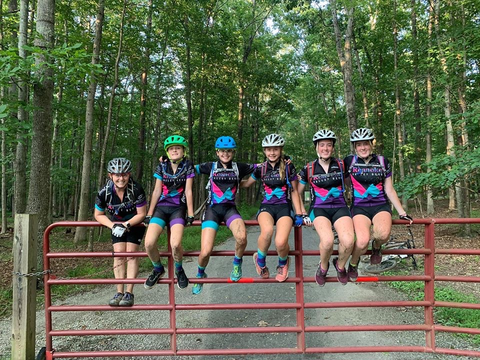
277,211
133,235
332,214
370,211
215,214
170,215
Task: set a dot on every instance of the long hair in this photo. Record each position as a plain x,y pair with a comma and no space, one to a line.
282,168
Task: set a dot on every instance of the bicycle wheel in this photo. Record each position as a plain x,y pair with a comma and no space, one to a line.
379,268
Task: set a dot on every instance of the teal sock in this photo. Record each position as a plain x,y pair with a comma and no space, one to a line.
158,266
200,271
178,266
282,261
261,258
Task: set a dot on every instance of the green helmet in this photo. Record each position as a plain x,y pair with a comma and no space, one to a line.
175,140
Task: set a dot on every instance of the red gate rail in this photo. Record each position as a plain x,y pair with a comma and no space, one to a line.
300,329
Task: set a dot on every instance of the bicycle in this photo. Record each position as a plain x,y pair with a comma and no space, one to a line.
389,261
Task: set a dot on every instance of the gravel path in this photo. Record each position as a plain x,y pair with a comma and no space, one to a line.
244,293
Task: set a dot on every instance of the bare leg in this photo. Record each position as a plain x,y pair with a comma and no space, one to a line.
344,228
361,224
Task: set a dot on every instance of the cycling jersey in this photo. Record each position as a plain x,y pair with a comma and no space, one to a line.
368,179
108,201
173,184
326,189
276,190
224,182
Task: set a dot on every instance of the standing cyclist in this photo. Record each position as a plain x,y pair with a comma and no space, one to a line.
171,202
223,184
325,176
125,201
372,189
279,181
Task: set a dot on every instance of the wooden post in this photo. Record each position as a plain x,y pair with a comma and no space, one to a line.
24,287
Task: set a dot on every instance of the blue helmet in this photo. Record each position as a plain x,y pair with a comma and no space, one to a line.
225,142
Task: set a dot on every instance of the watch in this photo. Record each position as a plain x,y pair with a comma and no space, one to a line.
127,225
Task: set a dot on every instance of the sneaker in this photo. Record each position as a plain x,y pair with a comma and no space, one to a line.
153,278
127,299
352,272
262,271
116,299
182,280
282,272
197,288
236,273
342,275
376,257
321,275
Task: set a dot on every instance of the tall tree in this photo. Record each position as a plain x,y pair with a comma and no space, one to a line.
83,209
344,51
20,164
39,188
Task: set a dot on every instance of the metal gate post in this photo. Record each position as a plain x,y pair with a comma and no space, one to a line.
430,285
299,288
171,296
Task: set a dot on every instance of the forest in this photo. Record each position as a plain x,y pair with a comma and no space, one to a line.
84,81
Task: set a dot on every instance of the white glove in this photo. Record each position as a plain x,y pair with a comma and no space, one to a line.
118,230
306,220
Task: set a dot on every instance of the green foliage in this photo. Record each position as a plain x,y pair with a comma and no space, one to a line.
447,316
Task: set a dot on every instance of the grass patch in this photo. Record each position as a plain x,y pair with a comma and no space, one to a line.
467,318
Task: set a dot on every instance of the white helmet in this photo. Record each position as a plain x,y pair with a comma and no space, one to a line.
273,140
324,134
119,166
362,134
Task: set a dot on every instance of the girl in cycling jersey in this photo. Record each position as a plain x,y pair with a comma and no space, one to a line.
325,176
171,204
279,182
124,200
225,176
372,188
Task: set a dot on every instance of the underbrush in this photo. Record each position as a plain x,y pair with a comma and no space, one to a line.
447,316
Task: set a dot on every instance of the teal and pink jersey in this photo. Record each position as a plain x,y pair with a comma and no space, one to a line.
368,179
173,184
224,182
326,188
276,191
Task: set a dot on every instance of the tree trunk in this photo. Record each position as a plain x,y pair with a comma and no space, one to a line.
345,57
20,165
101,169
83,208
398,110
428,109
447,101
143,95
464,141
416,100
39,189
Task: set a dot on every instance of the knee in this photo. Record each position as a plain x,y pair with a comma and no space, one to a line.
281,245
241,239
362,243
150,245
381,237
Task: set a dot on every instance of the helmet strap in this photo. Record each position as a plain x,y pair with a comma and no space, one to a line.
325,161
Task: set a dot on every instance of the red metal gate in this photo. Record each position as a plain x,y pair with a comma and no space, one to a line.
300,329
